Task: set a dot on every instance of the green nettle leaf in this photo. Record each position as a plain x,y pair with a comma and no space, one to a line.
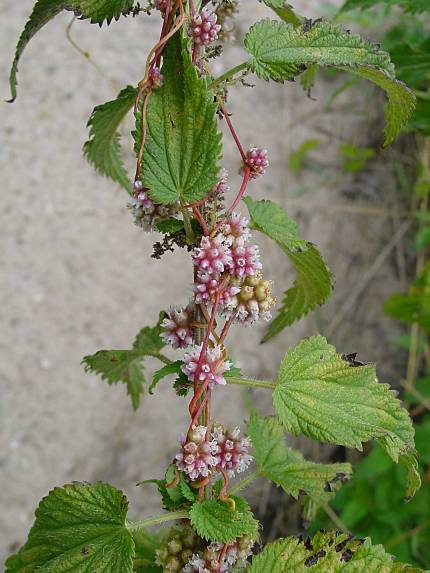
313,284
103,148
284,11
127,365
326,552
149,340
119,366
325,397
401,100
280,52
43,12
312,287
183,144
79,528
287,468
274,222
217,521
167,370
99,11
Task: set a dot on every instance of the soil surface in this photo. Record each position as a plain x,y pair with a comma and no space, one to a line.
77,276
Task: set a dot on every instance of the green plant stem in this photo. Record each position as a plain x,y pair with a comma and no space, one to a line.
251,383
162,358
87,55
335,518
136,526
189,233
244,483
228,74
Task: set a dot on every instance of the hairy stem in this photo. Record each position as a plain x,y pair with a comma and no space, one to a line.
136,526
229,74
251,383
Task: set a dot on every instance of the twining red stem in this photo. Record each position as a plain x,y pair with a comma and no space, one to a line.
245,181
224,489
200,219
232,130
225,330
199,410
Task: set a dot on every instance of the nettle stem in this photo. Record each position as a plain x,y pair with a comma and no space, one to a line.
229,74
251,383
137,526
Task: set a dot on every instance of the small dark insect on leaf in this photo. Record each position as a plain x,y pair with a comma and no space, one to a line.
309,24
172,123
85,551
351,359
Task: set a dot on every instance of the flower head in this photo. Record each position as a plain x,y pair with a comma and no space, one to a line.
196,457
236,229
146,212
213,256
177,548
212,367
253,302
246,260
222,187
256,159
209,560
204,28
177,325
232,450
206,288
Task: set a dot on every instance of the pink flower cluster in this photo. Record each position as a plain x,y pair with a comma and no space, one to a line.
196,457
256,159
146,212
212,368
227,252
209,560
213,256
177,326
223,449
204,28
231,450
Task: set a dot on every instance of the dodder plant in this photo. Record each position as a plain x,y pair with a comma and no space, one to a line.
180,191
